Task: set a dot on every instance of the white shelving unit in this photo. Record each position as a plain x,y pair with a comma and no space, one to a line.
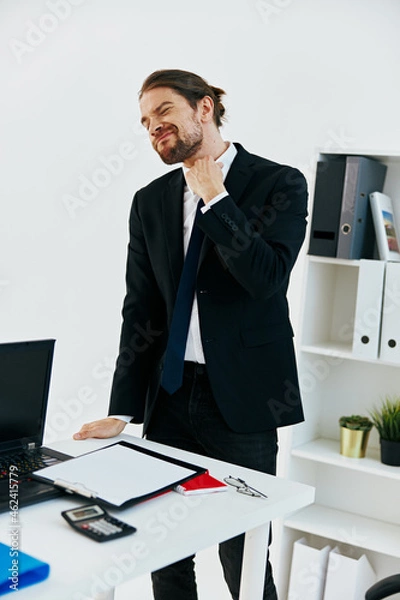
357,503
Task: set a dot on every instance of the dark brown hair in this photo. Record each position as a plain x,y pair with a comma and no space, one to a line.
190,86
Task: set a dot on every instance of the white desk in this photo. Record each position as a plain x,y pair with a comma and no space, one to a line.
170,528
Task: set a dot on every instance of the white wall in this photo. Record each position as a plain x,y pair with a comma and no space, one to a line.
300,75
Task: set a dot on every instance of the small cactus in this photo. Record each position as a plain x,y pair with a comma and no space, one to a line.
356,422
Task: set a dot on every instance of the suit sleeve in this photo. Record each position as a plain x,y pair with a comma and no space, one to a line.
142,315
259,240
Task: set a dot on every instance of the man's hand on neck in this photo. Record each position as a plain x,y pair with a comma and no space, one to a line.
205,178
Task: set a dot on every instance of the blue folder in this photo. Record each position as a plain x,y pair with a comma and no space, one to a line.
16,575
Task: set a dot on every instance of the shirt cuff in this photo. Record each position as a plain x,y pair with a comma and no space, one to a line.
125,418
207,206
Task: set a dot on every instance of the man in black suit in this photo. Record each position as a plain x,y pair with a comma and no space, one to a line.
239,381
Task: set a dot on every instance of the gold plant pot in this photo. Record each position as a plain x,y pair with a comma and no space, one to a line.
353,443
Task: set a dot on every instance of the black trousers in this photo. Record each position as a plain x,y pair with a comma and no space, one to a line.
190,420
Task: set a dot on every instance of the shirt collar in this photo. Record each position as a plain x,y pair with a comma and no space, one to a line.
226,159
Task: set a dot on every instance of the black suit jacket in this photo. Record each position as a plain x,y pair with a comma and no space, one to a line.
252,240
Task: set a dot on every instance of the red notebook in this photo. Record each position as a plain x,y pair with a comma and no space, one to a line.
201,484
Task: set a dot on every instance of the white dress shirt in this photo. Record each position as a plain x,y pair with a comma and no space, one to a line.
194,349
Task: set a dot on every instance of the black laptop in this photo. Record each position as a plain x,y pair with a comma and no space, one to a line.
25,370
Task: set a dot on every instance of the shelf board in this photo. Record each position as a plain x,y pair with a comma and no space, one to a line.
343,350
328,452
347,528
332,260
335,349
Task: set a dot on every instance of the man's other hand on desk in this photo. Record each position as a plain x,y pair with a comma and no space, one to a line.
104,428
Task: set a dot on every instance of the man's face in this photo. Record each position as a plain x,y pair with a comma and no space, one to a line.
174,127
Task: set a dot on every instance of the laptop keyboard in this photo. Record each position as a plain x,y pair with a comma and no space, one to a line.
25,462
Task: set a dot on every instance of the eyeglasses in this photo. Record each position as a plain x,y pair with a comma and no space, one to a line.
242,487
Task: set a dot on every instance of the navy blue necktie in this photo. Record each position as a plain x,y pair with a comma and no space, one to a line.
175,353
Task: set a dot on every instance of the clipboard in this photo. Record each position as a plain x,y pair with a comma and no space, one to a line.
119,475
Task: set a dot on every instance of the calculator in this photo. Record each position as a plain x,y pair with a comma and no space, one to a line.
95,522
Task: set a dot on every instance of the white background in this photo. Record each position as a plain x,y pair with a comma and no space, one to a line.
300,75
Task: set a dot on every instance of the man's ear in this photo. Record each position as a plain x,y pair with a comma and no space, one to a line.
206,109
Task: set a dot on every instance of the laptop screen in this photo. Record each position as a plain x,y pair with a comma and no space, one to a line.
25,369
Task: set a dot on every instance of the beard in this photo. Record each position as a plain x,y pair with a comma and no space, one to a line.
185,147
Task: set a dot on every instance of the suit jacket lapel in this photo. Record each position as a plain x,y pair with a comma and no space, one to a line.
172,214
239,174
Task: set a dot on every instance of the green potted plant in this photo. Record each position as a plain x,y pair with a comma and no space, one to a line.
354,435
386,419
